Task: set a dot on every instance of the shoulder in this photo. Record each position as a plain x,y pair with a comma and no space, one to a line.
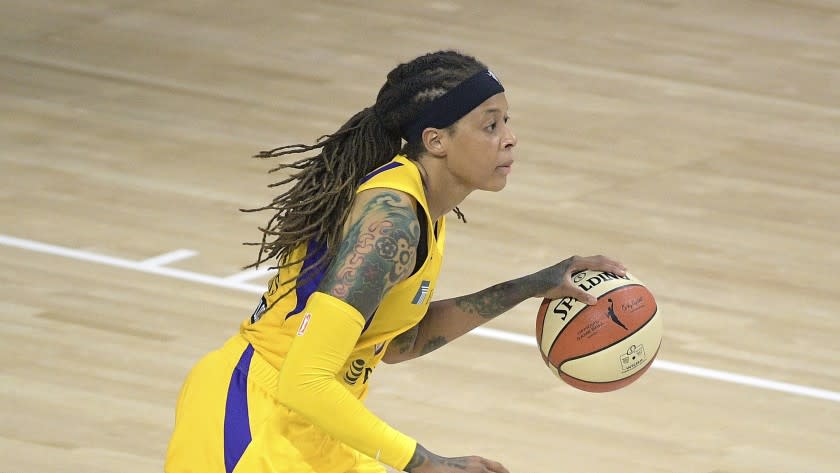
399,174
381,200
378,250
383,215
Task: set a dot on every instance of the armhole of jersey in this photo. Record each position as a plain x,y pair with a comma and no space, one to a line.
423,245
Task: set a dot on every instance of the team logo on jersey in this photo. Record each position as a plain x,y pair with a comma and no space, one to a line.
422,292
259,311
304,323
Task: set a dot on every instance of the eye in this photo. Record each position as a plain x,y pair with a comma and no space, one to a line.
491,126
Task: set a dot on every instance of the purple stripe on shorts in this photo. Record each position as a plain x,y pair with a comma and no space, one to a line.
237,425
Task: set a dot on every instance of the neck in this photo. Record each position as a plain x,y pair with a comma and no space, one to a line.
443,192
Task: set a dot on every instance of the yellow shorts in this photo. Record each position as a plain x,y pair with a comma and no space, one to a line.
228,421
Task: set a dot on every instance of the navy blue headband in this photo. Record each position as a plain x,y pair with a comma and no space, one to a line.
454,104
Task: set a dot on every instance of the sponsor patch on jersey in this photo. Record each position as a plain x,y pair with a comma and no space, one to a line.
422,293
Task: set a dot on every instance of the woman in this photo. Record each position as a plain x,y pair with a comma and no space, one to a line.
359,236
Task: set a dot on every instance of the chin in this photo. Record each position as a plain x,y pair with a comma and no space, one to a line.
496,186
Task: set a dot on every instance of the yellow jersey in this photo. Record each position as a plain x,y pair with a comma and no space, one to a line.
275,323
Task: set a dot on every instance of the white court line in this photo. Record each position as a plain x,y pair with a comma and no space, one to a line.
249,274
484,332
127,264
171,257
687,369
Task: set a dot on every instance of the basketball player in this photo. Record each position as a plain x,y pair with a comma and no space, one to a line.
359,236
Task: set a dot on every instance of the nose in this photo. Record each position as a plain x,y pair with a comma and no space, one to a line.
510,139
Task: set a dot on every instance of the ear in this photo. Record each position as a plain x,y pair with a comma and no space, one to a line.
433,140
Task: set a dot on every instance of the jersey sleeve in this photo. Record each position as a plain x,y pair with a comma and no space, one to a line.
307,384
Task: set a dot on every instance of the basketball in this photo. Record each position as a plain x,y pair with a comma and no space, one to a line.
601,347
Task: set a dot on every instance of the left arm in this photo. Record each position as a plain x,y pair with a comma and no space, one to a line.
448,319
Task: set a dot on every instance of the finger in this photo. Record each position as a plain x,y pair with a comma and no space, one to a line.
601,260
614,267
602,263
493,466
583,296
576,292
497,468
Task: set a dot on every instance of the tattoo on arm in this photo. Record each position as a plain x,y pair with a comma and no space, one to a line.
404,342
459,463
498,299
378,251
492,301
433,345
420,457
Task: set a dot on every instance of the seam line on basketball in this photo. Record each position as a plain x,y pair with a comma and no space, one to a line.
581,310
615,342
645,366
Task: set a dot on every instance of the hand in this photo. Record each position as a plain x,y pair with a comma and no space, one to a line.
425,461
558,278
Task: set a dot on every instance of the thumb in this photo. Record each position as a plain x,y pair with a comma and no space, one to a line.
493,466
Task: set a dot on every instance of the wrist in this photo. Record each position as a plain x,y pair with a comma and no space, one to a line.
421,458
533,285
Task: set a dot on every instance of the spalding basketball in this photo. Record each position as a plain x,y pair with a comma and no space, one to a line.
601,347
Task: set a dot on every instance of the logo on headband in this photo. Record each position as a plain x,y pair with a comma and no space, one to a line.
490,73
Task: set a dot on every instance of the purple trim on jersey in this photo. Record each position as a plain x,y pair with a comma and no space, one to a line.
303,291
384,168
237,424
369,321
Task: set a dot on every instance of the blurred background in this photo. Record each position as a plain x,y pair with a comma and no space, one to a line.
696,141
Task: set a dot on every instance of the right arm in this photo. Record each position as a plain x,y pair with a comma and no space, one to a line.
378,251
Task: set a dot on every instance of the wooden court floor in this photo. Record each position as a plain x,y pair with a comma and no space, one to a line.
696,141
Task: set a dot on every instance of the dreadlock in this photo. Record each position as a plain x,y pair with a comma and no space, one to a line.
320,189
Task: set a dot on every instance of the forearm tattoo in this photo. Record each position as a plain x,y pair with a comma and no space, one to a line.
498,299
494,300
433,344
378,252
404,342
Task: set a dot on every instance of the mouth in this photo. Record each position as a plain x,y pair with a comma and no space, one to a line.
505,167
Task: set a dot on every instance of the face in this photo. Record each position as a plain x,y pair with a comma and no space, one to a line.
479,150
